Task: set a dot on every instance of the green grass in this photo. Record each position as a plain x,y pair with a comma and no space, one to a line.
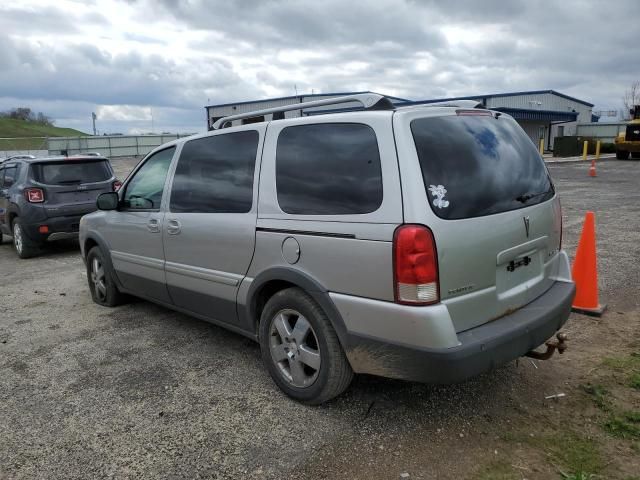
625,425
576,457
21,133
623,363
634,381
599,396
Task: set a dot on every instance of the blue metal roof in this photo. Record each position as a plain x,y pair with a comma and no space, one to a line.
511,94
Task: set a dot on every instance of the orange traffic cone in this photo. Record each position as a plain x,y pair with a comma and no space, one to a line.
585,271
592,168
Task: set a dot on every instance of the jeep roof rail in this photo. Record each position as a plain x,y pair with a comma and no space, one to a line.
370,101
17,157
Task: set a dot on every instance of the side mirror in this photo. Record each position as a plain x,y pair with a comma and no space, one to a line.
108,201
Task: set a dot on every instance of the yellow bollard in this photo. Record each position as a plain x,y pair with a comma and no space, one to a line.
541,146
584,150
598,150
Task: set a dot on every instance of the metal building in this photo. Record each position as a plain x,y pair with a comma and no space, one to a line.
543,114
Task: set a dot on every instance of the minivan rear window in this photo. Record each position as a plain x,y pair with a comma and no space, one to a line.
71,172
477,165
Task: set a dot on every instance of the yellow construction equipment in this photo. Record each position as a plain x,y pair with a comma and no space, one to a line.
628,142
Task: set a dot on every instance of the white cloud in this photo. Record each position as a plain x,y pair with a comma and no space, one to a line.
120,58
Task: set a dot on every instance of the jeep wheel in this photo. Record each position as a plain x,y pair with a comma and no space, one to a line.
103,288
301,349
622,154
25,248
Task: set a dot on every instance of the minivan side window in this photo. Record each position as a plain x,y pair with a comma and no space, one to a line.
215,174
328,169
144,190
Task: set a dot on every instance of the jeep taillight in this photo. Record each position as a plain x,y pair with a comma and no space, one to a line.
415,265
34,195
116,185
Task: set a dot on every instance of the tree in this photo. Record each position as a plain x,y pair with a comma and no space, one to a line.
42,119
21,113
631,97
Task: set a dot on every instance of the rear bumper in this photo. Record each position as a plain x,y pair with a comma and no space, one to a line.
60,228
480,349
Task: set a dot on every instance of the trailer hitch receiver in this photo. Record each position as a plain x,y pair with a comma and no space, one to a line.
552,345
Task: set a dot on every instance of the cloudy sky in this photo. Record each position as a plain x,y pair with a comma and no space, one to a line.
134,60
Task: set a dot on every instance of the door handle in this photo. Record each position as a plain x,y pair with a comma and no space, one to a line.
153,225
173,227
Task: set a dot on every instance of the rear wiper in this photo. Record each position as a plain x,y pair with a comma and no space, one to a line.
528,196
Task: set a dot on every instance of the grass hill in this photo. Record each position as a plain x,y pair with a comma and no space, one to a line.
18,134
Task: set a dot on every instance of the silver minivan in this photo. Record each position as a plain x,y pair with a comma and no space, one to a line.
421,242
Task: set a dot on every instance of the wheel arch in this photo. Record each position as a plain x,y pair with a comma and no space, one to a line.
273,280
94,239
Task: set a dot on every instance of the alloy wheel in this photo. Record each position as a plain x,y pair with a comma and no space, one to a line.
98,279
294,348
18,241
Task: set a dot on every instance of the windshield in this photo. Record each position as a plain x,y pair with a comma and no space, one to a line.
476,165
72,172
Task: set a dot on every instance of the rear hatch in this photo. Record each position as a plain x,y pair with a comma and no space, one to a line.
72,185
498,220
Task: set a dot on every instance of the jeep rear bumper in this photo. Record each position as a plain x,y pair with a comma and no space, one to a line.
480,349
58,228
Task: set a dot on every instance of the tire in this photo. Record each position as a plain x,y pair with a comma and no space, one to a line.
23,246
291,349
622,154
635,155
101,285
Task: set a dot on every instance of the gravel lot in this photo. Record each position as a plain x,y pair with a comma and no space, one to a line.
143,392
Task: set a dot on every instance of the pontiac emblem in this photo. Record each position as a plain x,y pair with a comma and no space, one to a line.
526,225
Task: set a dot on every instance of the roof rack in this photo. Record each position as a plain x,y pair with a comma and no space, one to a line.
370,101
17,157
456,103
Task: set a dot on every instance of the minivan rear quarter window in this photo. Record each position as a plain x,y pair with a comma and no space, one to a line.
477,165
71,172
328,169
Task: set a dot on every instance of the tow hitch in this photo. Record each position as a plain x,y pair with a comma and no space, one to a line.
552,346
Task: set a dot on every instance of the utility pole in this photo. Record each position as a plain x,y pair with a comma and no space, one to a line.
93,118
151,110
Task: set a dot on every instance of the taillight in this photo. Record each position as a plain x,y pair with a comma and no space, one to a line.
34,195
415,266
116,185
